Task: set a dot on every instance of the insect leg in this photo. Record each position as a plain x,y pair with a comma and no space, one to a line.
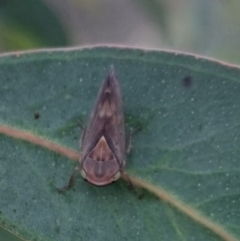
83,133
82,137
70,182
129,140
126,177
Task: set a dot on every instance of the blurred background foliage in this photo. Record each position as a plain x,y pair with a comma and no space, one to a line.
209,28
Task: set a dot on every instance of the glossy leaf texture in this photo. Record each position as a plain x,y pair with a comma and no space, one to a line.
188,111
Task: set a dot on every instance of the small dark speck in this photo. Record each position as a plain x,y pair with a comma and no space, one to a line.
57,229
200,127
187,81
140,196
36,115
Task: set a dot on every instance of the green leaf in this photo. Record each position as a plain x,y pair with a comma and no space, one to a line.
30,24
187,152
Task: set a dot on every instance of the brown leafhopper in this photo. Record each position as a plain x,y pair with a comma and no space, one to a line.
103,140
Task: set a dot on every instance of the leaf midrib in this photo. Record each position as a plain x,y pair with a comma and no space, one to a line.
156,190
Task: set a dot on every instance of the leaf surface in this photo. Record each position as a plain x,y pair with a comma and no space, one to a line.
188,109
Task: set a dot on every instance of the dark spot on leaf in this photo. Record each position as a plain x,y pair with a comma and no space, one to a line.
200,127
36,115
187,81
140,196
14,210
57,229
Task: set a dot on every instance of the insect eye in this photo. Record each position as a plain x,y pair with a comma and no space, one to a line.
83,173
116,176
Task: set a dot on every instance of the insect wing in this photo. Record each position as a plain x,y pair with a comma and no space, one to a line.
107,120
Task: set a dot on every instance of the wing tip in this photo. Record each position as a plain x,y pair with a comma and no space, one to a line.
111,77
111,68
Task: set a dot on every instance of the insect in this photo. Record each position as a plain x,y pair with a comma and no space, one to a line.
103,139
